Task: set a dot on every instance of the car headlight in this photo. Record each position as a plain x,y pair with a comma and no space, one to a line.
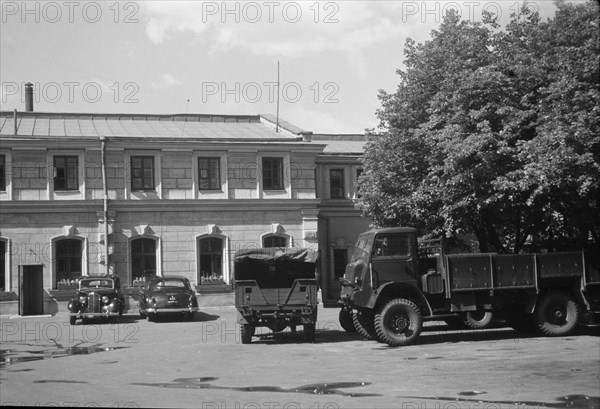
105,299
82,299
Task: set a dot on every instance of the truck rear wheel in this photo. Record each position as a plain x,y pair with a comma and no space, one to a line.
346,322
399,322
247,332
364,324
556,314
477,319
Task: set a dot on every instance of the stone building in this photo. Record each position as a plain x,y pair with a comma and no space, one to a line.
135,195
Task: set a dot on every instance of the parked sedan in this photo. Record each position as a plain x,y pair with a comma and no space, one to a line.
166,296
97,297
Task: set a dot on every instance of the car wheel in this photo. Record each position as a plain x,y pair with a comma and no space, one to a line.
364,324
310,334
399,322
477,319
345,318
556,314
73,320
246,331
151,317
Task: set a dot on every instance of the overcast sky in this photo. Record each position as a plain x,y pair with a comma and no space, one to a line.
157,57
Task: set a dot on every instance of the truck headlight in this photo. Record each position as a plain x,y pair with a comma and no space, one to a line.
82,299
105,299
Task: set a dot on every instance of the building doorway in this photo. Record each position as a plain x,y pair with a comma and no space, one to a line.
31,290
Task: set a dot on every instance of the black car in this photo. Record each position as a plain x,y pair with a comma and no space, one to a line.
167,296
97,297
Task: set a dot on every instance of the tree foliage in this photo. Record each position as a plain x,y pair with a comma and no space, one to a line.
494,133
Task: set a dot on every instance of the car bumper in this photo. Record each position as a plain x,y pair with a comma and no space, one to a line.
94,314
170,310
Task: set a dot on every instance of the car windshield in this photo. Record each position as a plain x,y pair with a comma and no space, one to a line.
96,283
169,284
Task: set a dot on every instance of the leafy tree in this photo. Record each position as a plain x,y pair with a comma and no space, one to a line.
494,133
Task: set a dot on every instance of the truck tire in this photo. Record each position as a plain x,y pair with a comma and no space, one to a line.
310,334
72,320
364,324
247,332
399,322
556,314
477,319
346,322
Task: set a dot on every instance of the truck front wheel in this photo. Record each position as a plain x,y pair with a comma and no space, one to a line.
310,333
556,314
399,322
345,319
364,324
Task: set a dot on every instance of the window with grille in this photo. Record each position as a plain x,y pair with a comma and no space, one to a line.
143,258
336,183
272,173
209,173
68,255
142,173
66,173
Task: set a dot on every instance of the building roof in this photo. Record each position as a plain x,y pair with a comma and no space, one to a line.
40,125
341,144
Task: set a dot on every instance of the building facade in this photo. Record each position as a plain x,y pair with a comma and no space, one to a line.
137,195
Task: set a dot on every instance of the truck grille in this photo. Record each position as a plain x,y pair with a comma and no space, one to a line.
94,303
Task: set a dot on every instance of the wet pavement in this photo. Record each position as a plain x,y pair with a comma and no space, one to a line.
203,364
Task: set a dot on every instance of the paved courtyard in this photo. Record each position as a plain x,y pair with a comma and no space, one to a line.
203,364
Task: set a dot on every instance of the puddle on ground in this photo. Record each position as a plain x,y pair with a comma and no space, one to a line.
471,393
568,401
10,357
313,389
58,381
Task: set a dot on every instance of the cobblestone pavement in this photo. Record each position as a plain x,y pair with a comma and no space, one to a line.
203,364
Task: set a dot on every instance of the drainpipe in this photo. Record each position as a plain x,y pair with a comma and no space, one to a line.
103,141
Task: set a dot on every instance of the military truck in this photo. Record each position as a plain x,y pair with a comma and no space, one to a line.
392,284
276,288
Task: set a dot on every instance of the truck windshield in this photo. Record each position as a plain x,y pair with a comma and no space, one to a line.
360,249
398,245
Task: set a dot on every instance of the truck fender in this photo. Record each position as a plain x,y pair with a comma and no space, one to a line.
393,290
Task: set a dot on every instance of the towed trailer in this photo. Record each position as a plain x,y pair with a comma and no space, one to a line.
392,284
276,288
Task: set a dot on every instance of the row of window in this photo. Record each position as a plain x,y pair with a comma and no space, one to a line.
68,258
66,174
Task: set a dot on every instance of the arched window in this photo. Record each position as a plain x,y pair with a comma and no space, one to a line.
210,251
274,240
68,257
143,258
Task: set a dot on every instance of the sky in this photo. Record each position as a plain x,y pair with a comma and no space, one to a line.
220,57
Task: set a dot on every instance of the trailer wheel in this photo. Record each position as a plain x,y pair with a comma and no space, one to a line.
556,314
247,331
346,322
364,324
310,334
72,320
477,319
399,322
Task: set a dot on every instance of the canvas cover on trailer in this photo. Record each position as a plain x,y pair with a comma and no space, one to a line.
275,267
